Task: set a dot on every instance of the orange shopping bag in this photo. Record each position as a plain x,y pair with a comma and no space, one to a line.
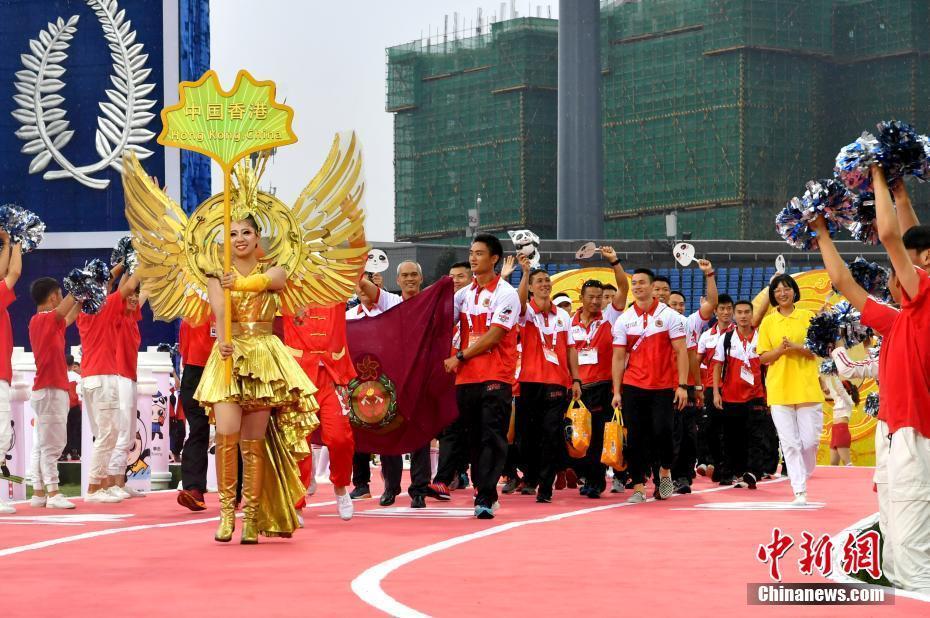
577,429
614,442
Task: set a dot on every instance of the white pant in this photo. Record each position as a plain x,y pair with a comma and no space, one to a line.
799,428
880,479
126,422
909,495
6,420
101,398
50,406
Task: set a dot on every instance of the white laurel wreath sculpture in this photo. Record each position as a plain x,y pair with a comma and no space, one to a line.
121,126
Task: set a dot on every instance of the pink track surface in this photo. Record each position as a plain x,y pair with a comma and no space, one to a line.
664,558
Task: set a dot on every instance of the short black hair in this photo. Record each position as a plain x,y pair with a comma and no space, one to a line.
492,242
679,293
534,272
743,302
42,288
647,272
787,280
464,265
917,238
660,278
591,283
610,286
724,299
69,359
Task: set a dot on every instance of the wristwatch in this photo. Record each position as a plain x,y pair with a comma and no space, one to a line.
710,274
699,388
684,386
615,262
460,356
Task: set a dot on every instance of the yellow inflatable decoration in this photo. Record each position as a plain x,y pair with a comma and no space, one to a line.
816,292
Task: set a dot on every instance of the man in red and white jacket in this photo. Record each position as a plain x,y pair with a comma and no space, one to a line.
489,309
739,392
592,328
548,368
646,339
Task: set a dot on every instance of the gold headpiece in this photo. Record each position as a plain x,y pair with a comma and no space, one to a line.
244,192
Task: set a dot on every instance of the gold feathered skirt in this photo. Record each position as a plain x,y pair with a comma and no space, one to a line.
266,375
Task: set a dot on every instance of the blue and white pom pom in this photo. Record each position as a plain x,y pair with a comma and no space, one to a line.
871,277
853,162
24,226
864,228
124,252
828,368
822,334
88,285
871,405
849,322
826,197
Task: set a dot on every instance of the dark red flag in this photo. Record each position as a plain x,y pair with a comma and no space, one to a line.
403,397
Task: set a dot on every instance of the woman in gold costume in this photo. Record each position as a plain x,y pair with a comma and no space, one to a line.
265,376
313,253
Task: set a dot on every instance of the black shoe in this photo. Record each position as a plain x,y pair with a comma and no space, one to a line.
682,486
463,480
583,490
418,502
542,499
750,479
528,490
726,481
511,486
387,498
360,492
593,493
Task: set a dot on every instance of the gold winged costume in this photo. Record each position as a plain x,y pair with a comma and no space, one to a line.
319,243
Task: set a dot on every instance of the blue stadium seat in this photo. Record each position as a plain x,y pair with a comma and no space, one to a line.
769,273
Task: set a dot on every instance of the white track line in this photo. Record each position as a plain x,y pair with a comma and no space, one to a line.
367,586
99,533
839,576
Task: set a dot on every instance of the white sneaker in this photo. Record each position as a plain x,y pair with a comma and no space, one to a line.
102,496
617,486
6,508
800,498
132,492
312,489
344,506
119,492
58,501
37,501
495,506
300,519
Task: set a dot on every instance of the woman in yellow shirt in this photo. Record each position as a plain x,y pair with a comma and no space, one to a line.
792,383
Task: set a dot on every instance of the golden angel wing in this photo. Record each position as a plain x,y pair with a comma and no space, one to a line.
332,251
158,227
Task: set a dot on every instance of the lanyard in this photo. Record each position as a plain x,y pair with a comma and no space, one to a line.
746,344
538,321
643,336
489,313
590,330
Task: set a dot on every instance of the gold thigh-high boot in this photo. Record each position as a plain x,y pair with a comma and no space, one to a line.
227,473
253,464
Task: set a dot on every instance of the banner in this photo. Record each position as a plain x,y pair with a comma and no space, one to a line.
403,396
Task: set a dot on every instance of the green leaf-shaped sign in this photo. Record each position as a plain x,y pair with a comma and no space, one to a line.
227,126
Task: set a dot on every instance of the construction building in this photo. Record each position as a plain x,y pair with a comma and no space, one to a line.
717,110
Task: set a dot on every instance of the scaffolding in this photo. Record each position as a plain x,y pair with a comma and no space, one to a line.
718,110
475,116
721,109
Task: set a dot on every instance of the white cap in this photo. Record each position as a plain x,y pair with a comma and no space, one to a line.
560,298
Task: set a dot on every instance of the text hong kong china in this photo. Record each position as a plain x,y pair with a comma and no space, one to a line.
223,112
